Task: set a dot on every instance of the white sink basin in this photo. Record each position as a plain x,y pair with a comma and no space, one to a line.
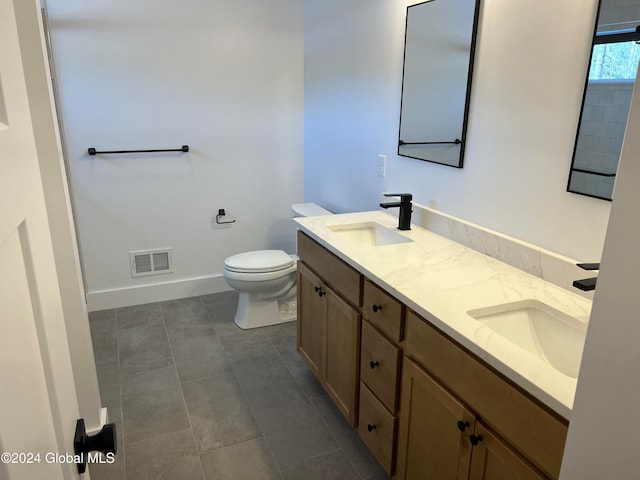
368,234
541,330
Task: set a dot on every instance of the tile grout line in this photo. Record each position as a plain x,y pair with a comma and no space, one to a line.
184,401
294,378
246,399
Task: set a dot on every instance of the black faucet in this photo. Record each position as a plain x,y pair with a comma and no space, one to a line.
587,284
404,220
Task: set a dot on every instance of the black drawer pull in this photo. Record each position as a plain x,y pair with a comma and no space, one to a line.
321,293
371,427
377,308
373,364
475,440
462,426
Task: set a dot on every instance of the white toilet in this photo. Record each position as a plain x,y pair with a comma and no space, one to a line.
266,281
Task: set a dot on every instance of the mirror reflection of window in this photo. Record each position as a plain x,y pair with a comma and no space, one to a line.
611,78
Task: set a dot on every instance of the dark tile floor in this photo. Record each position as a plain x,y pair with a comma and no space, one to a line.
195,397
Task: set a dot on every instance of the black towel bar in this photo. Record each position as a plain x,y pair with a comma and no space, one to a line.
93,151
591,172
457,141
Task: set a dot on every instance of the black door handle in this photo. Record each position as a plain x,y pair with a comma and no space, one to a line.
371,427
377,308
104,442
475,440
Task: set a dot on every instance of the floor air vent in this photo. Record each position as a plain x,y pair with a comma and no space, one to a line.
150,262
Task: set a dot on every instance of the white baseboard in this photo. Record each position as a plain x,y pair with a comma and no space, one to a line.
124,297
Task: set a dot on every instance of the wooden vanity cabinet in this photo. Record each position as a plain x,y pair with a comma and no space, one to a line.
522,428
426,407
328,324
380,364
441,438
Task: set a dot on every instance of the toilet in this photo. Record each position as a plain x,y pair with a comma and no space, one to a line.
266,281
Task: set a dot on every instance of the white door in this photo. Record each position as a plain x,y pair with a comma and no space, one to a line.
38,404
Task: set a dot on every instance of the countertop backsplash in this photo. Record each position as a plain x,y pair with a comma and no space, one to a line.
542,263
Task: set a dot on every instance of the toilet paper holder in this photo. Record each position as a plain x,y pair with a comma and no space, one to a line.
221,214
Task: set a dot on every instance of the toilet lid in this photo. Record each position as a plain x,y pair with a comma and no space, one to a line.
308,210
259,261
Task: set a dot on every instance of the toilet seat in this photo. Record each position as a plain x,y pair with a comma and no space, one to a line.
257,277
259,261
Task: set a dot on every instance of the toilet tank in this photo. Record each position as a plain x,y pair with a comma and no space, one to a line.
308,210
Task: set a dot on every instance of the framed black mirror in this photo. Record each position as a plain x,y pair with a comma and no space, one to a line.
439,50
606,100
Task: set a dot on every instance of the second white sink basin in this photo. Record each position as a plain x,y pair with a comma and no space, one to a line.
541,330
368,234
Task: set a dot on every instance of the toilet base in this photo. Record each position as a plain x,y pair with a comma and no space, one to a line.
254,313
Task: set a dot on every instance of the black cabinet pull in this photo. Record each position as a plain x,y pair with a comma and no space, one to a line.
475,440
377,308
319,291
462,426
373,364
371,427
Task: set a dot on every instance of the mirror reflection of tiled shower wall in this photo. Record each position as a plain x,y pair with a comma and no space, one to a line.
604,119
606,107
613,13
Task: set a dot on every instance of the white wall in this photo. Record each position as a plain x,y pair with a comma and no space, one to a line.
603,441
225,78
530,68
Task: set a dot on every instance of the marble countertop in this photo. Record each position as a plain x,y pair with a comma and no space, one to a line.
442,280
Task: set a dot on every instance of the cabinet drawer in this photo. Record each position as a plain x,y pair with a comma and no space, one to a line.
379,366
383,311
337,274
517,417
377,428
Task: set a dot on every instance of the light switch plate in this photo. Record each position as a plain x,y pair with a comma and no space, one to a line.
382,166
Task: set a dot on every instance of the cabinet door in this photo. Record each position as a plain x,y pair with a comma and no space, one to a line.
434,430
342,355
312,308
492,459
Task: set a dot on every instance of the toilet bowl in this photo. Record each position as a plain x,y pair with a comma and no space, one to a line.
266,281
